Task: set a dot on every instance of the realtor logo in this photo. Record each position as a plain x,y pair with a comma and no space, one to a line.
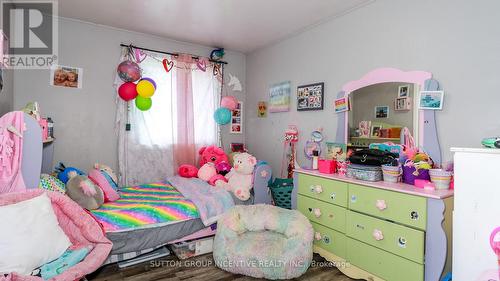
30,34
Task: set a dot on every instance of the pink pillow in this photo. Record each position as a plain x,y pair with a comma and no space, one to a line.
110,194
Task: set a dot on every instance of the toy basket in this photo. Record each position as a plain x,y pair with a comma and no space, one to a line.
281,190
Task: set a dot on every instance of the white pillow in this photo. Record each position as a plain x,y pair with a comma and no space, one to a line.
30,235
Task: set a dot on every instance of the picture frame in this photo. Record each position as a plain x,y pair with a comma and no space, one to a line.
431,100
337,151
236,125
381,111
279,97
375,131
341,104
238,147
402,104
310,97
403,91
66,76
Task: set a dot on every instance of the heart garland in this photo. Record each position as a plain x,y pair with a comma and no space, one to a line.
216,69
201,64
139,55
168,65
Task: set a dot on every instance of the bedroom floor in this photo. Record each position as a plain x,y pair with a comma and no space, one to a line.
198,268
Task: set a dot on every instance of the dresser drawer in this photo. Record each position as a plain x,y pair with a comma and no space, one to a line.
399,207
327,190
329,240
323,213
397,239
383,264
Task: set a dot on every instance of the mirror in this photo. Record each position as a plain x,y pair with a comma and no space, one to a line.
424,123
379,112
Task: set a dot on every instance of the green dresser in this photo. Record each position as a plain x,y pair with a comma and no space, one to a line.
378,231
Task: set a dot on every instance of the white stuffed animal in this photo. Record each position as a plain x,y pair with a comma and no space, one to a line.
240,177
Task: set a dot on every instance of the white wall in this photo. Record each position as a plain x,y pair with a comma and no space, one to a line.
458,41
84,119
7,93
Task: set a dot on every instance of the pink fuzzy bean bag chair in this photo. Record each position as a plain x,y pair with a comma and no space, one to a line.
78,225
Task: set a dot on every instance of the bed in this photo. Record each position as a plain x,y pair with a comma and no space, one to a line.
151,215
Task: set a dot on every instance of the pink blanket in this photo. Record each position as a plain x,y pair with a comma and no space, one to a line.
11,147
78,225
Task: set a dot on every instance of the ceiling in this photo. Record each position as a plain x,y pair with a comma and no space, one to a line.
240,25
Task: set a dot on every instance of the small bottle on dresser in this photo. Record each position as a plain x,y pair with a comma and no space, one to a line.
315,159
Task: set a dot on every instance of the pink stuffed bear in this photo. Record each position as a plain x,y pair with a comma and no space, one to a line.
240,178
210,156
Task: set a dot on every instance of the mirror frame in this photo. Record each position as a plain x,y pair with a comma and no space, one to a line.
426,136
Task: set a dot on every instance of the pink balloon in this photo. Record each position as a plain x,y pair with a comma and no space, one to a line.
229,102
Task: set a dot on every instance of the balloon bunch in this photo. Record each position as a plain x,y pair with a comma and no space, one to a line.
222,115
142,92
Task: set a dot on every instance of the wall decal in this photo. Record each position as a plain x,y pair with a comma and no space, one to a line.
235,83
262,109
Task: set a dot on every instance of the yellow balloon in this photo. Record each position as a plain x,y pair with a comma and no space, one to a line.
145,89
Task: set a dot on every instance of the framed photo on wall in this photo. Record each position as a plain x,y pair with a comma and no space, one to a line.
341,104
404,91
375,132
431,100
238,147
381,111
66,76
279,97
402,104
310,97
237,119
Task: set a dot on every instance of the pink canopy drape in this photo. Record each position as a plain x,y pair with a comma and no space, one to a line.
184,145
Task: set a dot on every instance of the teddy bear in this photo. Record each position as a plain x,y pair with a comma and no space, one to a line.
211,158
239,179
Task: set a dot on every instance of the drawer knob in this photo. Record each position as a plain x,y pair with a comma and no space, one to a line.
377,235
317,212
381,205
317,236
318,189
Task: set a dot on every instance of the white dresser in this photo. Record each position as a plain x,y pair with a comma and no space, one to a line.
476,213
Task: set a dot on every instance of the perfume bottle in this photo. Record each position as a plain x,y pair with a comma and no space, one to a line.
315,159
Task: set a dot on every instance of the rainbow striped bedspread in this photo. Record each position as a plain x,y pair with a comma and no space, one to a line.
144,206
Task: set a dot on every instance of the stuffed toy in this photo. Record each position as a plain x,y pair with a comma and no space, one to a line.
107,172
84,192
211,157
240,177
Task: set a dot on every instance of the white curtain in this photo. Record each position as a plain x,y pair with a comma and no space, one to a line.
145,152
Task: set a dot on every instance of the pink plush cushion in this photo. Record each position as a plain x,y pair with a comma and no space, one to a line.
77,224
110,194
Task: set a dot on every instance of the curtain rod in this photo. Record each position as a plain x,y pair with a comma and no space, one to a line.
168,53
